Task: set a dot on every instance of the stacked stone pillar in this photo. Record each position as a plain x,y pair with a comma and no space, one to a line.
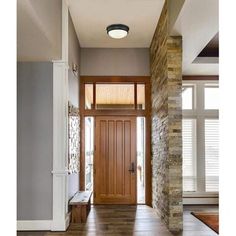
166,81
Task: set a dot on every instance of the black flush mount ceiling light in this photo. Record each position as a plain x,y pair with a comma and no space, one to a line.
117,31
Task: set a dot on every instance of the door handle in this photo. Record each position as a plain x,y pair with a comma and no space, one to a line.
132,168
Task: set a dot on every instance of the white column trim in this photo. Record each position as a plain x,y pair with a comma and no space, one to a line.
61,218
65,31
60,172
60,150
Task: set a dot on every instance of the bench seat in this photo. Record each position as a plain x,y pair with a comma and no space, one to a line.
81,204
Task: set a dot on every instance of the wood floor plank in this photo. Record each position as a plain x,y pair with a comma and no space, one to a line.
141,220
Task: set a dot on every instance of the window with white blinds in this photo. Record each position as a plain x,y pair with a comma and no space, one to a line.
200,136
212,154
189,154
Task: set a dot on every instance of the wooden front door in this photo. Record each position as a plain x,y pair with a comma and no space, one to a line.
115,160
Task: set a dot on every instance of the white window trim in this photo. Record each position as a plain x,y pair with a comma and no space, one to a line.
190,85
200,114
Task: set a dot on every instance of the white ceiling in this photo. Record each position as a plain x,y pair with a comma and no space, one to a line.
198,23
91,17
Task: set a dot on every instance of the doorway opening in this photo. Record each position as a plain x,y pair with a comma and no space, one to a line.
115,138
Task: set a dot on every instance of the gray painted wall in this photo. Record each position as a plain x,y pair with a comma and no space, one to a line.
73,57
115,61
34,140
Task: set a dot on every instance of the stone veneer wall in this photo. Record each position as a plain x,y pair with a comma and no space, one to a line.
166,81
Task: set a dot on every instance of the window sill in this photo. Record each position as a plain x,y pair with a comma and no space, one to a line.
200,195
200,198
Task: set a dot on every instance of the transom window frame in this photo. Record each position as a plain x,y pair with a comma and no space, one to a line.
115,80
200,114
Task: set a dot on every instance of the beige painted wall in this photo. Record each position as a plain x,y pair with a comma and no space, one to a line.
74,45
111,61
39,26
174,8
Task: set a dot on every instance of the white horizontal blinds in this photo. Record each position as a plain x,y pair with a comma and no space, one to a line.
189,155
212,155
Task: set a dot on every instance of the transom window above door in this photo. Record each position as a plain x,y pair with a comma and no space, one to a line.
115,96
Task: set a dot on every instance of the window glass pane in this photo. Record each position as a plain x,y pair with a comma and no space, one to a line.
88,96
141,96
189,155
212,155
89,152
211,98
187,98
140,137
115,96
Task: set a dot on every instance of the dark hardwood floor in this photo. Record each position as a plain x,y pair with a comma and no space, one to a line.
193,226
131,220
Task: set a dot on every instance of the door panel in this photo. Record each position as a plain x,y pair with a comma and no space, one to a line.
115,139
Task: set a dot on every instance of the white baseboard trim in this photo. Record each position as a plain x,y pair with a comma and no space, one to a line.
26,225
34,225
68,220
61,225
200,201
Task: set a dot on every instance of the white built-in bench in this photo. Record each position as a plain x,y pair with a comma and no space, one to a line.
81,205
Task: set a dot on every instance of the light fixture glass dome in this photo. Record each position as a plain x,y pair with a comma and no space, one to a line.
117,31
